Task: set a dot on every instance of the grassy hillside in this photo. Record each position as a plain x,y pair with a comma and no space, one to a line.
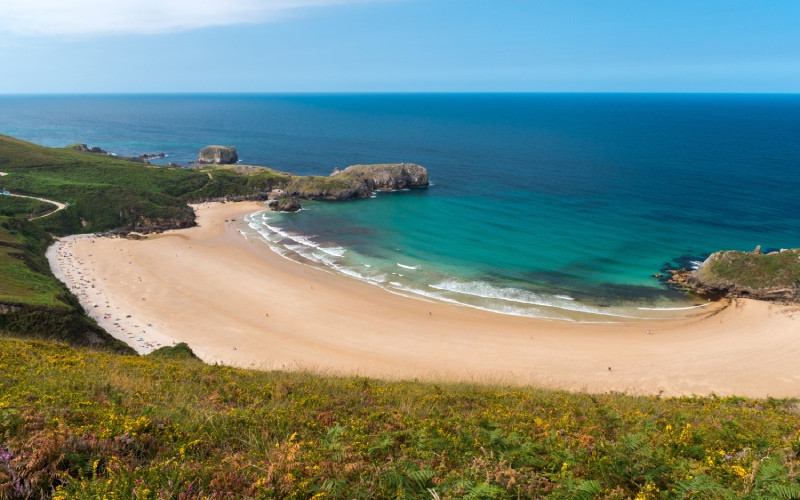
25,272
11,206
88,425
103,192
107,193
32,302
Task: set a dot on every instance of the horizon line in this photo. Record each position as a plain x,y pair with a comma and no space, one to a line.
354,93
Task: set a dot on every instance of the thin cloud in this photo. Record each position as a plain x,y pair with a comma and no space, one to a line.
106,17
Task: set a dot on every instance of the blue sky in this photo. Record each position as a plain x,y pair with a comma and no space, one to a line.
76,46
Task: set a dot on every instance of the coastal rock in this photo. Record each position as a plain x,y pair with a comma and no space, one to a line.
315,187
288,204
146,225
358,181
387,176
86,149
218,155
774,276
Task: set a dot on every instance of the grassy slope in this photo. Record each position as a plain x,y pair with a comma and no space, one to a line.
11,206
41,306
107,193
104,193
144,427
25,274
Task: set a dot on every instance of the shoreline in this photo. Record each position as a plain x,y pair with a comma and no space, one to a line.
236,302
434,285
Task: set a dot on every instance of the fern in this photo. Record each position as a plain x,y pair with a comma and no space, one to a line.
702,487
587,490
773,481
784,491
483,491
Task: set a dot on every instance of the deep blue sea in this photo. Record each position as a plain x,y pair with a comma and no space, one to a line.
551,205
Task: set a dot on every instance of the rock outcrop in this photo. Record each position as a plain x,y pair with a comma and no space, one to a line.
774,276
145,225
388,176
218,155
289,204
86,149
316,187
358,181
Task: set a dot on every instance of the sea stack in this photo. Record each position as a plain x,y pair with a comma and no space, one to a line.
218,155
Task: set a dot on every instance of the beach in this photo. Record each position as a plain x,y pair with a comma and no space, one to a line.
236,302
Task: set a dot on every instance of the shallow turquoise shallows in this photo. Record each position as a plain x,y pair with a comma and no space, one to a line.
551,205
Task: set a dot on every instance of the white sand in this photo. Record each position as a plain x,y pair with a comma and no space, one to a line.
236,302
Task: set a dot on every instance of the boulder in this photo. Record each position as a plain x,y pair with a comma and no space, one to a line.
218,155
288,204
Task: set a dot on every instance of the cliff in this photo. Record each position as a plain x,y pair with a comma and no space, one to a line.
386,177
358,181
774,276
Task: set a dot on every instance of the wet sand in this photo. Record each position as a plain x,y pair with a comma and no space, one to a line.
236,302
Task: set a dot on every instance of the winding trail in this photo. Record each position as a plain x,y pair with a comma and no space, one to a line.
59,206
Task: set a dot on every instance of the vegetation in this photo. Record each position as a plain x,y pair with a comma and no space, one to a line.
78,424
177,351
326,188
12,206
107,193
753,270
33,303
25,272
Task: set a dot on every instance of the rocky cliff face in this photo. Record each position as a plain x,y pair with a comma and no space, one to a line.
774,276
219,155
145,225
389,176
358,181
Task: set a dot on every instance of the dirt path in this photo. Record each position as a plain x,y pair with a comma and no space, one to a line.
59,206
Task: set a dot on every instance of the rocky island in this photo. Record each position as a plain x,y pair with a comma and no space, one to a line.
774,276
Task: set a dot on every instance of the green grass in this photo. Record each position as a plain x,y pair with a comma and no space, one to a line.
178,351
12,206
25,273
80,424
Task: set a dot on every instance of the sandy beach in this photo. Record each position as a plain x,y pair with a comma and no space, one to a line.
236,302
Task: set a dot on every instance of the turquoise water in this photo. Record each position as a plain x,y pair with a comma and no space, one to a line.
553,205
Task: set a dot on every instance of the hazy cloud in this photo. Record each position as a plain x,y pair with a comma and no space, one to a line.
99,17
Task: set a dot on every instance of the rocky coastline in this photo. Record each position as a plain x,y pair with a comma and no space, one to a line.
774,276
282,191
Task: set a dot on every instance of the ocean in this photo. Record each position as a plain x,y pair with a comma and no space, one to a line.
559,206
